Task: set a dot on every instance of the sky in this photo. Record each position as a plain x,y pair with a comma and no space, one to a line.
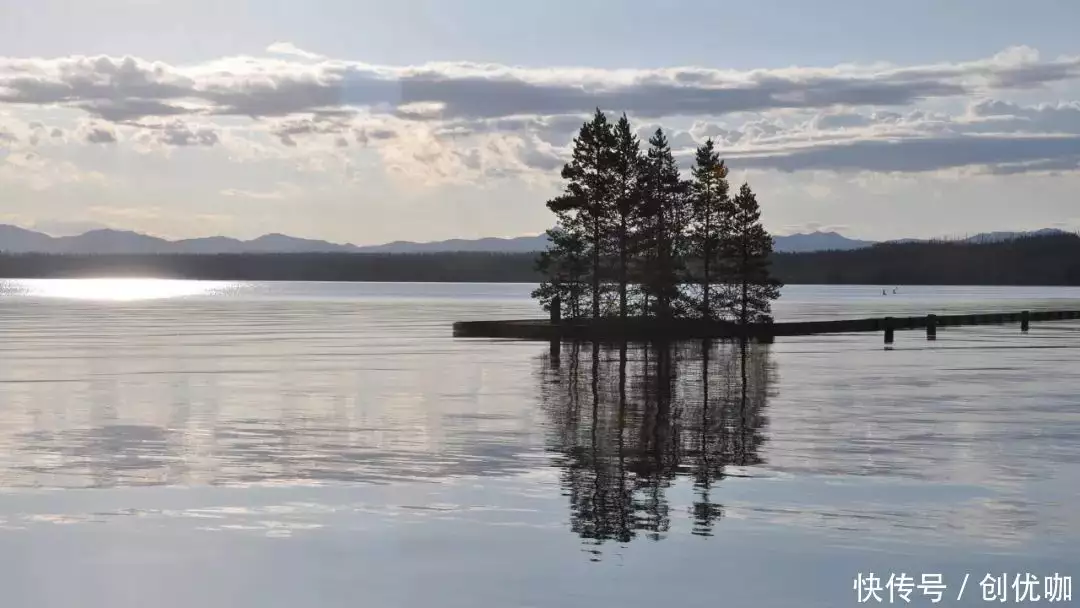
366,122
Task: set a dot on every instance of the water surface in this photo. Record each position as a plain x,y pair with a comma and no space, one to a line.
174,443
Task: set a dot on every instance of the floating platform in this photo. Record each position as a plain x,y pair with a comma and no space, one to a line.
649,329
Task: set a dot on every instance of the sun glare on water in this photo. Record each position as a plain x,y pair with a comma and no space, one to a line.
119,290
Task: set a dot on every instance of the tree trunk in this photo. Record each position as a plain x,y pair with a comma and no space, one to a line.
663,263
744,270
596,269
706,310
623,237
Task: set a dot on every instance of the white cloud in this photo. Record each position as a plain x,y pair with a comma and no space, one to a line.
120,88
288,48
241,193
179,133
456,113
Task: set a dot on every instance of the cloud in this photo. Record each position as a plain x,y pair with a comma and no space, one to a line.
994,136
131,109
676,138
285,130
288,48
420,155
118,88
702,130
841,120
179,133
919,154
454,121
240,193
78,79
1003,116
99,135
1052,166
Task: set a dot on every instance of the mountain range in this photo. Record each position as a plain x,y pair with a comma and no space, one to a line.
14,239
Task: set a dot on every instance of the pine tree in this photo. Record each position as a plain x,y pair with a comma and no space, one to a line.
666,207
709,227
585,205
627,211
565,266
748,252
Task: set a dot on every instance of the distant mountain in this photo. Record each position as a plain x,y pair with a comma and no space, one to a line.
109,241
817,241
106,241
518,244
19,240
814,241
280,243
213,244
13,238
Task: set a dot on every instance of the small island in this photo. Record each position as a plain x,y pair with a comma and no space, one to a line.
641,251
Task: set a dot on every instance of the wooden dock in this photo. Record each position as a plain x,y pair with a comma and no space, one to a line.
649,330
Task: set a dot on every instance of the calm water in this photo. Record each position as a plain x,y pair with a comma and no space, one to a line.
187,444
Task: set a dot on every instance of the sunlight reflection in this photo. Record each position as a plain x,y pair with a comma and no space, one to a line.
119,290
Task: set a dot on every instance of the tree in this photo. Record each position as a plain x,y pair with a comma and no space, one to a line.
625,230
666,209
564,266
709,226
585,204
748,253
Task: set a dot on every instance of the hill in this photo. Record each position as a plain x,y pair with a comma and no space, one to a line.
121,242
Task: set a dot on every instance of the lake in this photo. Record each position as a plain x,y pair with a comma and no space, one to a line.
195,444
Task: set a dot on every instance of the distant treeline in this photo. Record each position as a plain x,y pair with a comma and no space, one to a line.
464,267
1036,260
1033,260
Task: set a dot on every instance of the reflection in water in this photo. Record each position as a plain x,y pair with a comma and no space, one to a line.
111,289
628,420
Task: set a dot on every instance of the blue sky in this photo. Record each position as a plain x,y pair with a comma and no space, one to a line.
228,117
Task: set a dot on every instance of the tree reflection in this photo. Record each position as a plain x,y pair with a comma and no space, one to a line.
627,421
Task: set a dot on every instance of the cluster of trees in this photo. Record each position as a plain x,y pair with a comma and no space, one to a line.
634,238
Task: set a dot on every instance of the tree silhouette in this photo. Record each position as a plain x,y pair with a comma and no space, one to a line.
710,226
584,208
666,208
564,265
749,248
628,211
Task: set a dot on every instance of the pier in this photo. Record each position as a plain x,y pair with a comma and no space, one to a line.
692,329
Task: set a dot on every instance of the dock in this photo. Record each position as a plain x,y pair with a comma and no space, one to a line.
691,329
